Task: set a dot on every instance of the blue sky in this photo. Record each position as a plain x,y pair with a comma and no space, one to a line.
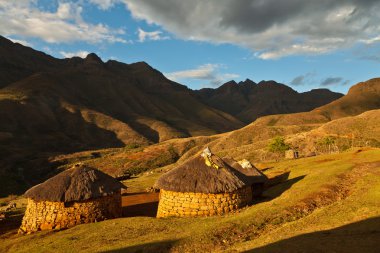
304,44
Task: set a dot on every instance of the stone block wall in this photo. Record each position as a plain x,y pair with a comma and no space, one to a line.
46,215
201,204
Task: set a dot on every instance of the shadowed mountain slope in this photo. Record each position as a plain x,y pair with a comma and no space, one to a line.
132,102
248,101
50,106
18,62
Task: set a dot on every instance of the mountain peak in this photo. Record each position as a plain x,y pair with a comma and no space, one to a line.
232,82
248,82
269,82
93,58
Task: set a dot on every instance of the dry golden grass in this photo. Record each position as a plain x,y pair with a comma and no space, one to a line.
335,196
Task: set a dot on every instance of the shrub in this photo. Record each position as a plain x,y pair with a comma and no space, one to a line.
278,146
327,143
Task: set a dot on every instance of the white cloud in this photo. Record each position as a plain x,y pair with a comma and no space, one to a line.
201,72
271,28
207,72
24,18
371,40
81,54
155,35
104,4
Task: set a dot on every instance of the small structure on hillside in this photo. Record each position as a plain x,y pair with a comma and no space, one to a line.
203,186
256,178
291,154
75,196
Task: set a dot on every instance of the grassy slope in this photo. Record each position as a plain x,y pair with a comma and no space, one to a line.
133,159
323,192
302,130
249,142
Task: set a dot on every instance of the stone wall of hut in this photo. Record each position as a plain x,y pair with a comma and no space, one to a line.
201,204
46,215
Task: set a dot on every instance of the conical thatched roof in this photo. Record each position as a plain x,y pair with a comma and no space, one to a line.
203,174
244,166
76,184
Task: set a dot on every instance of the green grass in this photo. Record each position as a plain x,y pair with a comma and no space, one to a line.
261,225
362,205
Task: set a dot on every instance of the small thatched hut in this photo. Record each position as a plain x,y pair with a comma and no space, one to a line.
75,196
256,178
203,186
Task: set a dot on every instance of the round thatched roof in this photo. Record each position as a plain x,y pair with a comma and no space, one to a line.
244,166
203,174
76,184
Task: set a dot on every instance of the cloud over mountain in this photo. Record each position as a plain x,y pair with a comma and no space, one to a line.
208,72
154,35
330,81
271,28
65,24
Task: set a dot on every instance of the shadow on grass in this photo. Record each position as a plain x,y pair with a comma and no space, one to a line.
277,186
12,222
145,209
277,179
142,204
156,247
362,236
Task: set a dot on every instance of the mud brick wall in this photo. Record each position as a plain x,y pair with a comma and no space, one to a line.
45,215
200,204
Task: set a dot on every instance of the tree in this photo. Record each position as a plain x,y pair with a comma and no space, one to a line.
328,142
278,146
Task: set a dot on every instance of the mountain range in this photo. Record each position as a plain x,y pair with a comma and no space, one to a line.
56,106
88,103
248,100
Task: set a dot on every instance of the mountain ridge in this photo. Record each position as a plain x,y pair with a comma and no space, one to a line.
52,106
248,100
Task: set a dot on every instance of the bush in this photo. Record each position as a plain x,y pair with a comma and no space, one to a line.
278,146
131,146
327,144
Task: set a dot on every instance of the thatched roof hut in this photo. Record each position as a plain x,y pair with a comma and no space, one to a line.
76,184
247,168
255,177
199,181
196,176
78,195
